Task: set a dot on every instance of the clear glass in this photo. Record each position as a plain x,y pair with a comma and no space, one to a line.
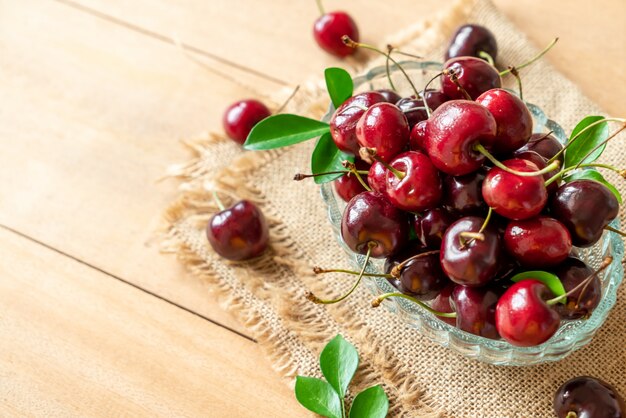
571,336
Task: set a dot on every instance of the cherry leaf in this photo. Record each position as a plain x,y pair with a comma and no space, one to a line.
339,85
339,361
594,175
318,396
326,158
550,280
371,403
587,141
282,130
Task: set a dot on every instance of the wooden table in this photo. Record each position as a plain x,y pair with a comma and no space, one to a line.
94,97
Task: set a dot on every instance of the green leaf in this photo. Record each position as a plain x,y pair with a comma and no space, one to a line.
338,361
594,175
318,396
587,141
371,403
339,85
326,158
281,130
550,280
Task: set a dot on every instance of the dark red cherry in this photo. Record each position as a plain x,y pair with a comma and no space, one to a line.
513,120
431,225
412,248
414,110
328,30
588,397
523,318
451,133
462,195
538,242
541,163
476,310
422,277
469,40
348,186
390,95
370,218
474,75
239,232
581,303
420,186
417,138
377,177
470,262
585,207
546,146
344,120
442,303
383,127
513,196
240,117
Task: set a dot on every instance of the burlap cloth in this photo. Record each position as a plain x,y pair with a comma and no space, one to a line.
421,378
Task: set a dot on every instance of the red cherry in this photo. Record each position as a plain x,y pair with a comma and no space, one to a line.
239,232
431,225
588,397
523,318
452,131
475,310
240,117
462,195
545,145
474,75
383,127
328,30
377,177
539,242
541,163
413,108
420,186
513,196
348,186
580,303
513,119
344,120
470,40
390,95
422,277
442,303
417,139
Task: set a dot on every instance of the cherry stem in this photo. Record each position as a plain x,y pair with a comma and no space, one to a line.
286,102
617,231
414,109
320,7
397,270
565,170
486,56
541,138
217,200
519,81
601,144
319,270
486,222
315,299
352,44
582,131
453,77
352,168
605,263
532,60
301,176
571,414
370,154
406,54
475,235
376,303
387,69
428,111
550,167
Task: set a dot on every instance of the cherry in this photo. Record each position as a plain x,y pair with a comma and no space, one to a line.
239,232
384,128
451,133
581,303
344,120
377,177
462,195
475,309
414,184
523,318
413,107
538,242
470,261
328,30
545,145
588,397
240,117
412,248
422,277
585,207
431,225
541,163
513,119
370,218
417,138
390,95
441,303
348,185
471,40
513,196
471,76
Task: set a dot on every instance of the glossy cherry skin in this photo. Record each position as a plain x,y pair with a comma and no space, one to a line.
523,318
451,133
441,303
431,225
462,195
410,249
581,303
423,278
413,108
588,397
383,127
239,232
513,196
344,120
377,177
348,186
328,30
474,75
370,217
390,95
539,242
469,40
470,262
417,138
541,163
513,120
476,310
240,117
419,188
585,207
546,146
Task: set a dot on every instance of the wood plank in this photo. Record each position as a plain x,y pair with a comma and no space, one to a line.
78,343
90,117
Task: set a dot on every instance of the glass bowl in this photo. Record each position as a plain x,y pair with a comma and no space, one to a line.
571,336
